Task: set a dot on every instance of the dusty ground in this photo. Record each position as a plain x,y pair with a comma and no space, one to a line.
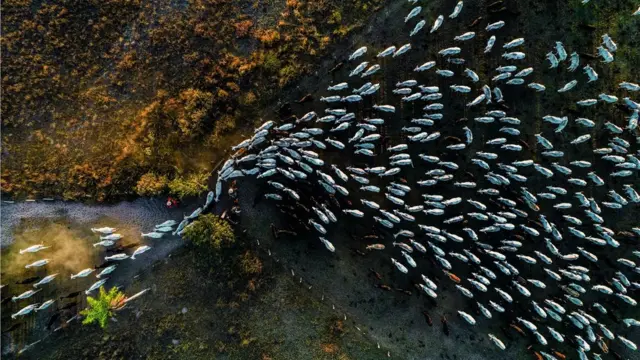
394,319
197,309
67,225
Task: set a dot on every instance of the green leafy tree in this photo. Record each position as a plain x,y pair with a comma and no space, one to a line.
210,230
101,309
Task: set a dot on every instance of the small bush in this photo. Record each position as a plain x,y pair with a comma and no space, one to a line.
248,99
268,36
210,230
151,184
193,106
271,63
188,186
251,265
224,125
335,18
243,28
101,309
288,73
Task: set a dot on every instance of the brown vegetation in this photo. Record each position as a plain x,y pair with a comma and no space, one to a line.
151,184
100,94
330,348
251,264
337,327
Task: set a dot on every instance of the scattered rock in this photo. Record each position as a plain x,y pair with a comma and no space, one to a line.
175,342
184,310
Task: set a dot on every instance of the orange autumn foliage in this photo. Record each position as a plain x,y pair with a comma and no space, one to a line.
98,93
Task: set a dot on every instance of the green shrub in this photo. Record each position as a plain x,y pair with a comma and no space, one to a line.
335,18
192,185
101,309
271,62
251,264
210,230
288,73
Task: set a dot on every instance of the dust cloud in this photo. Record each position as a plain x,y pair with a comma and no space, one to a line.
71,250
